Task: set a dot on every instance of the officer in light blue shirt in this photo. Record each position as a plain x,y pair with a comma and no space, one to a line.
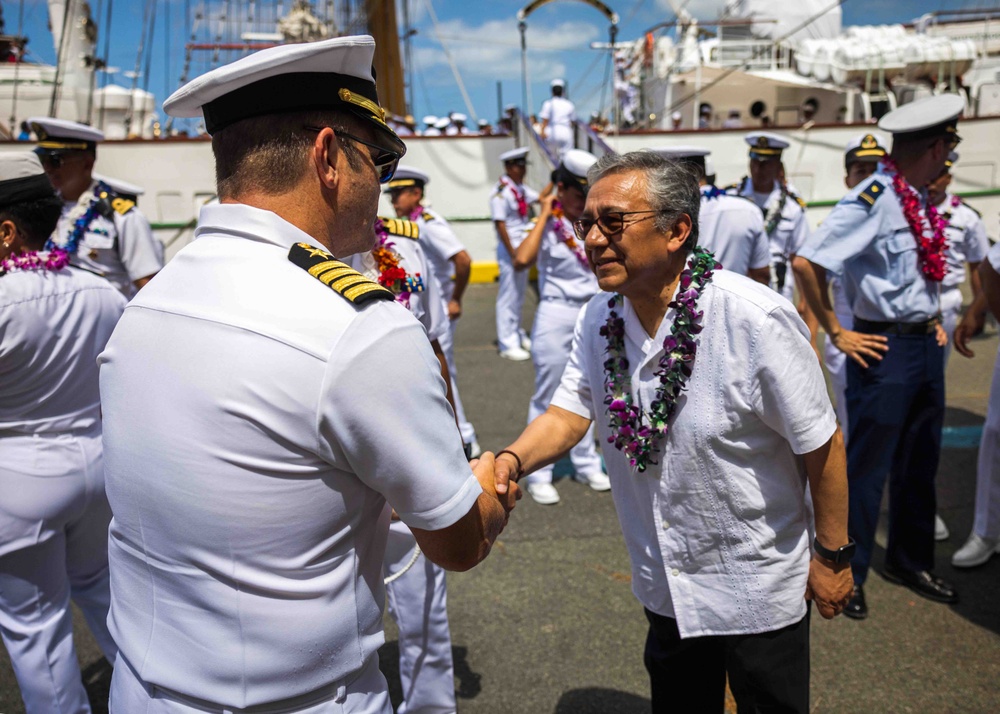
895,366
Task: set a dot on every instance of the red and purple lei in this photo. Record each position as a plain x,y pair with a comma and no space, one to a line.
930,249
633,432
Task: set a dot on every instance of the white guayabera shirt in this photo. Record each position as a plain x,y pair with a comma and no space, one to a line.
718,530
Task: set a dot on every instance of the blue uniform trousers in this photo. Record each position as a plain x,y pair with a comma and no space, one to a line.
895,414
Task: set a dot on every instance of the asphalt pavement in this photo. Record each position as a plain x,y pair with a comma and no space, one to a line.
548,622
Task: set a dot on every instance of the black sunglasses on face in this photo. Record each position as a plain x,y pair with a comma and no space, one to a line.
385,160
610,224
52,161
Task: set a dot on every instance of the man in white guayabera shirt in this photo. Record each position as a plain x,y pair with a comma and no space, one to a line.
710,480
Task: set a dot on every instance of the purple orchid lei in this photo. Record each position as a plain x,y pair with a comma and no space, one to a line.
55,259
81,224
633,432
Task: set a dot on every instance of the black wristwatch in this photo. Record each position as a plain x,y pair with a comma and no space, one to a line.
843,554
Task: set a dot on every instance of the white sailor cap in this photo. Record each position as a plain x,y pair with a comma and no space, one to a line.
676,115
709,166
458,116
63,135
442,123
518,154
572,169
22,178
952,158
429,120
930,116
484,122
557,82
328,74
124,188
865,148
764,145
682,151
407,176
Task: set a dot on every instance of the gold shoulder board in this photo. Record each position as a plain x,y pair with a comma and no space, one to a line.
344,280
872,193
401,227
122,205
428,216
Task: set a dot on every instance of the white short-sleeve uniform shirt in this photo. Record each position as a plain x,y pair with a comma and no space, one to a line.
559,111
255,424
791,229
504,207
732,228
440,245
120,247
967,240
718,530
561,273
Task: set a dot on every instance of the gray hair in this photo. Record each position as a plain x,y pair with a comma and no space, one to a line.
671,186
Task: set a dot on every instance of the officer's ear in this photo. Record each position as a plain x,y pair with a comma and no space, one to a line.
326,155
10,238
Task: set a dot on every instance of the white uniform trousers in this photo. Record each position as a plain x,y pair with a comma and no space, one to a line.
447,342
987,521
54,518
418,602
788,288
951,311
551,340
510,300
560,138
364,693
836,367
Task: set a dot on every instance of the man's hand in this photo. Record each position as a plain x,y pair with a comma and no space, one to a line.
505,474
859,345
971,325
454,309
940,335
830,586
484,469
546,205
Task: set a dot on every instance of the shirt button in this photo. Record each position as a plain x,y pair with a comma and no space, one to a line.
666,525
675,572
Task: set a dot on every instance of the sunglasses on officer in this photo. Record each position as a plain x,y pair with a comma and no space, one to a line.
53,161
385,160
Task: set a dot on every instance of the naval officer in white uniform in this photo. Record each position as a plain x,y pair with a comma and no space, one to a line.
100,226
557,116
730,227
281,394
784,213
510,207
54,320
565,284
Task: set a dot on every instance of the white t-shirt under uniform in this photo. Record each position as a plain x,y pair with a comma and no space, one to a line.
718,530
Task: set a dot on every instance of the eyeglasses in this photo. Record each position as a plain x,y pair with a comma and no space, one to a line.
54,162
385,160
610,224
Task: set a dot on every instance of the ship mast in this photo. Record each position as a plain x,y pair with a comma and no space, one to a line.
389,76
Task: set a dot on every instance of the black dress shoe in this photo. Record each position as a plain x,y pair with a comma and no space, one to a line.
924,583
857,608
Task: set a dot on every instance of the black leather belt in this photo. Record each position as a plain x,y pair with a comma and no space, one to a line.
928,327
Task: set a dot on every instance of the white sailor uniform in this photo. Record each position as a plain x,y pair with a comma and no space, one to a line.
987,519
967,243
504,206
417,593
834,359
271,433
731,228
115,238
54,514
440,245
786,226
561,114
565,285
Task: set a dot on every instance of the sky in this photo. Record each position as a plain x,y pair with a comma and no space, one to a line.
481,36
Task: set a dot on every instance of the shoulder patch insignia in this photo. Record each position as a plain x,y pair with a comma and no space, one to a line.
428,216
401,227
344,280
798,200
872,193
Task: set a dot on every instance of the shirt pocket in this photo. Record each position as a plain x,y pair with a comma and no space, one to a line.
98,240
901,256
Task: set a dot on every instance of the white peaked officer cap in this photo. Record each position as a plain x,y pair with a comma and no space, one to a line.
764,145
682,151
123,187
442,123
63,135
22,178
866,148
927,117
407,176
329,74
515,154
557,82
572,169
458,116
429,120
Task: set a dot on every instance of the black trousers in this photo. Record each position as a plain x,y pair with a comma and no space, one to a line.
768,672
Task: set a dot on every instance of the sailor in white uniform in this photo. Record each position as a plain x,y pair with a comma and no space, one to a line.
430,129
784,212
967,245
416,589
54,516
510,207
100,226
730,227
287,400
450,265
984,541
557,117
457,126
565,284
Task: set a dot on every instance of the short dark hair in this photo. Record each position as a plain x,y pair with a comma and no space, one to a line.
671,187
269,153
35,220
557,91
